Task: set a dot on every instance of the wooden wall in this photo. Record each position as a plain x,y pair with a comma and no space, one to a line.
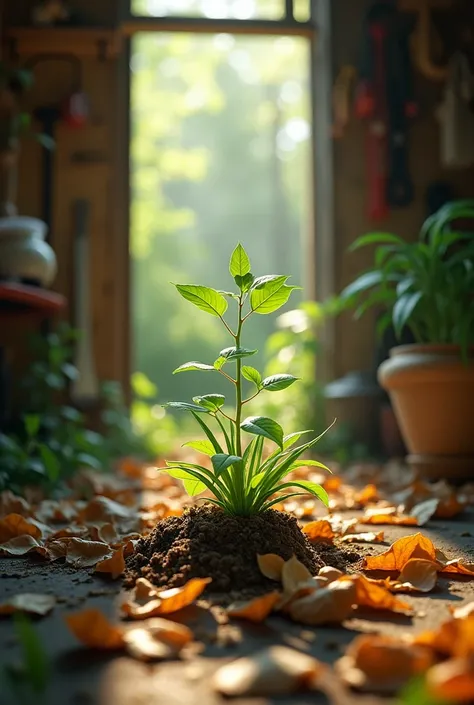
355,341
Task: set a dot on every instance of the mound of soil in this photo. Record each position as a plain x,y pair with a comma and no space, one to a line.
205,542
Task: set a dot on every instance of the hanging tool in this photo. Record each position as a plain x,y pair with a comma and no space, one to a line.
422,36
85,389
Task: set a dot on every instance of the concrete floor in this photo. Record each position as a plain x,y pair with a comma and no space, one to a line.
84,677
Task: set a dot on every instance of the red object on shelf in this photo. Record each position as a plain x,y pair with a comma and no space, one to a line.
22,299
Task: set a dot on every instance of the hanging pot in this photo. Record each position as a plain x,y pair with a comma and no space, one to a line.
24,254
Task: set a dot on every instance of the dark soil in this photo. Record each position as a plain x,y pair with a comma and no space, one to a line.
205,542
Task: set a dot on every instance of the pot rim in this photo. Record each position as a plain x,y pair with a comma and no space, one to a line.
22,226
448,348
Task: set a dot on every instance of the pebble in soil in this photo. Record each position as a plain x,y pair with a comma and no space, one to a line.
206,542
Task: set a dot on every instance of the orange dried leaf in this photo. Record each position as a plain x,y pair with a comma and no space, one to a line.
418,575
367,495
13,504
387,515
382,664
449,507
452,681
14,525
255,610
400,552
464,611
458,566
103,509
85,554
332,484
330,574
329,605
277,670
364,537
21,545
31,603
106,533
92,628
319,531
293,574
113,566
371,594
271,565
453,638
167,601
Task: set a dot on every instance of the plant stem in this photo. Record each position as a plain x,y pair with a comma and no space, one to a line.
238,412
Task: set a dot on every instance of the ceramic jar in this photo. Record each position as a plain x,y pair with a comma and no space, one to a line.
24,254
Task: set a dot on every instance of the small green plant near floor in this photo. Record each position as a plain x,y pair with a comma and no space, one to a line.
29,678
242,480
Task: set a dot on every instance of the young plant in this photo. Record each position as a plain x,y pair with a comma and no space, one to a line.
242,480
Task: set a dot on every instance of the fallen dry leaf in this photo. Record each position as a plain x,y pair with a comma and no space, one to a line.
106,533
387,515
364,537
457,565
14,525
330,574
464,611
255,610
21,545
293,574
13,504
382,664
424,511
449,507
32,603
160,639
277,670
400,552
85,554
113,566
418,575
455,637
319,531
328,605
370,594
167,601
92,628
367,495
103,509
452,681
271,565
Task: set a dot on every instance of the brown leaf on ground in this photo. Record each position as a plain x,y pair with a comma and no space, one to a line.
319,531
293,574
328,605
14,525
160,639
418,575
21,545
166,601
387,515
330,574
455,637
464,611
113,566
277,670
107,533
145,591
457,566
85,554
452,681
449,507
92,628
424,511
364,537
255,610
103,509
13,504
367,495
382,664
69,532
400,552
271,565
370,594
32,603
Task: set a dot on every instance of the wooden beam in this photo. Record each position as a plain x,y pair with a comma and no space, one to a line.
217,26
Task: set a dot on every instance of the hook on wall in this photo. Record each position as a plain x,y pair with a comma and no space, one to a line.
422,50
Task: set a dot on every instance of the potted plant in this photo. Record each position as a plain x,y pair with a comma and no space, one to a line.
427,286
241,481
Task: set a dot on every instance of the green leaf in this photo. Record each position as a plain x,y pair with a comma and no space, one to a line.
252,375
215,443
403,309
309,464
244,283
189,366
362,283
219,362
221,461
186,406
32,424
50,462
213,402
293,438
270,296
264,426
37,669
89,461
239,262
203,297
376,239
275,383
192,485
205,447
310,487
234,353
230,294
260,281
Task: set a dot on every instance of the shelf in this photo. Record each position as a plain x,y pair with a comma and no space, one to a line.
97,42
16,298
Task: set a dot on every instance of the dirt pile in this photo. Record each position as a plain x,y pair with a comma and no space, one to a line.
205,542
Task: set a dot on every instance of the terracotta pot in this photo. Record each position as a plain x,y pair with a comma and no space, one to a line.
432,393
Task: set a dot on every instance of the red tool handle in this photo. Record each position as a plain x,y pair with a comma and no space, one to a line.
377,170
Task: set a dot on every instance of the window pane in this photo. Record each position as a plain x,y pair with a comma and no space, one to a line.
212,9
220,153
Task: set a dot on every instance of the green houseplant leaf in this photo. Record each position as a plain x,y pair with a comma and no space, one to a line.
263,426
189,366
203,297
277,382
239,262
212,402
271,295
252,375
